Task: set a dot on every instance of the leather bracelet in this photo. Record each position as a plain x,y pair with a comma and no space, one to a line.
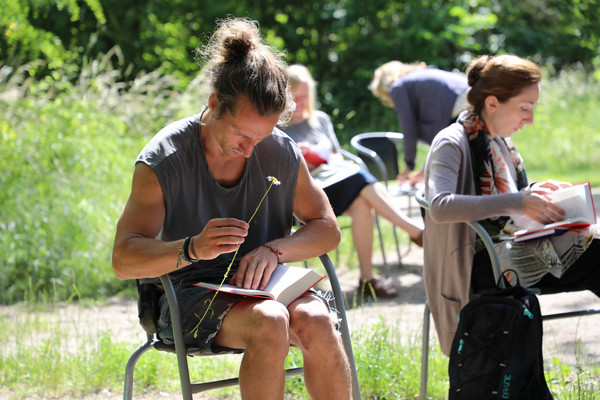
193,249
186,250
276,252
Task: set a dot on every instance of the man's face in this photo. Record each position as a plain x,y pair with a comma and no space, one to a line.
239,131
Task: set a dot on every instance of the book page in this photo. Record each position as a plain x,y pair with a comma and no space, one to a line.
576,201
286,284
579,209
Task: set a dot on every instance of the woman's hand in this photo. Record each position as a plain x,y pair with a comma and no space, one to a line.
305,147
538,206
550,185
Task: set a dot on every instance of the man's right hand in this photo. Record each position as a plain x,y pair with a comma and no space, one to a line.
219,236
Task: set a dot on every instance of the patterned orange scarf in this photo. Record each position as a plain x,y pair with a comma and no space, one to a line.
491,173
489,168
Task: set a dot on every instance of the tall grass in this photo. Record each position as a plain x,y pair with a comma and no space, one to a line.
67,156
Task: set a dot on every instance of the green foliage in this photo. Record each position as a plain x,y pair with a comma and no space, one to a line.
67,162
563,142
342,41
48,30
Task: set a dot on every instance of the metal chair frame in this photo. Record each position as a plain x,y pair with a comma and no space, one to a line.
497,270
182,353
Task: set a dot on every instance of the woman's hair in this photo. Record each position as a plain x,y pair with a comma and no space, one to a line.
501,76
298,74
239,63
387,74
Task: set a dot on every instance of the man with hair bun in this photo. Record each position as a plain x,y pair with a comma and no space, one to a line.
195,186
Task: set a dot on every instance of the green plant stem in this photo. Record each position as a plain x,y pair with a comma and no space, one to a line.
195,330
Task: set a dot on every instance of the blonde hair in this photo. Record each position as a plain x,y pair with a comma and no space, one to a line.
387,74
297,74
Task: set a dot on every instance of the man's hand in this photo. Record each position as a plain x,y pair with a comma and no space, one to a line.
255,269
220,235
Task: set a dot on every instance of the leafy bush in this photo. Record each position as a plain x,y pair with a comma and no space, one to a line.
67,157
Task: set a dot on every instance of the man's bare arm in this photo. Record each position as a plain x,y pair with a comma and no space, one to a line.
136,251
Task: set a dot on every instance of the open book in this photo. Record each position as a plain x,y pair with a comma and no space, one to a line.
287,283
579,209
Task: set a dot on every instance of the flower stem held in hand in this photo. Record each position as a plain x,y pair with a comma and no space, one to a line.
274,181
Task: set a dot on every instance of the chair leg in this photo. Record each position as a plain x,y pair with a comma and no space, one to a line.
398,246
128,387
344,330
424,353
180,350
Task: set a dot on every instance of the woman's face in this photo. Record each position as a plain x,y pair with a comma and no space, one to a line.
301,99
504,119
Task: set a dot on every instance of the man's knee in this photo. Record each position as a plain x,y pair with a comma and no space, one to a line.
270,324
312,323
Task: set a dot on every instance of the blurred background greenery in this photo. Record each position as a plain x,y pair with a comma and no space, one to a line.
85,83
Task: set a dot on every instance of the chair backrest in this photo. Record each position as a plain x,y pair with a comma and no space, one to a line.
379,152
481,233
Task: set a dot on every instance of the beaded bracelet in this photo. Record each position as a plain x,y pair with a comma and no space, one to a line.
276,252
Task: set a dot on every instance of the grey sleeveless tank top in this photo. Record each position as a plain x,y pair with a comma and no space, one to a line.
192,195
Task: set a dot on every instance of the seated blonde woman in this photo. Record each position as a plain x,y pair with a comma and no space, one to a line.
358,194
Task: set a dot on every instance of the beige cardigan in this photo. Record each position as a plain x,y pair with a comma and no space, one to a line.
448,242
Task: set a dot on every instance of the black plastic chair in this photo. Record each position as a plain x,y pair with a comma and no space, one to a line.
148,308
497,270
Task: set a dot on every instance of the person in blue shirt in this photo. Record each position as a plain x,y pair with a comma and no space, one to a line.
426,100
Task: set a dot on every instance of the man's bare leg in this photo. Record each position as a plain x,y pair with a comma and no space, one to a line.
262,329
326,368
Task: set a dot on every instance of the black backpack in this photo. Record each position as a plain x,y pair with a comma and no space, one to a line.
497,350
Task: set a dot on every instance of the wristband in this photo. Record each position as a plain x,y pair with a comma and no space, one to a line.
186,250
276,252
193,249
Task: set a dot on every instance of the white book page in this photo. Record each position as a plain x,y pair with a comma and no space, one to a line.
576,201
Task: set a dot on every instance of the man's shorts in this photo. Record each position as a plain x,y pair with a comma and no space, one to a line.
195,304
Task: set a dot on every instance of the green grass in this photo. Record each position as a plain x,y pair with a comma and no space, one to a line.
39,357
